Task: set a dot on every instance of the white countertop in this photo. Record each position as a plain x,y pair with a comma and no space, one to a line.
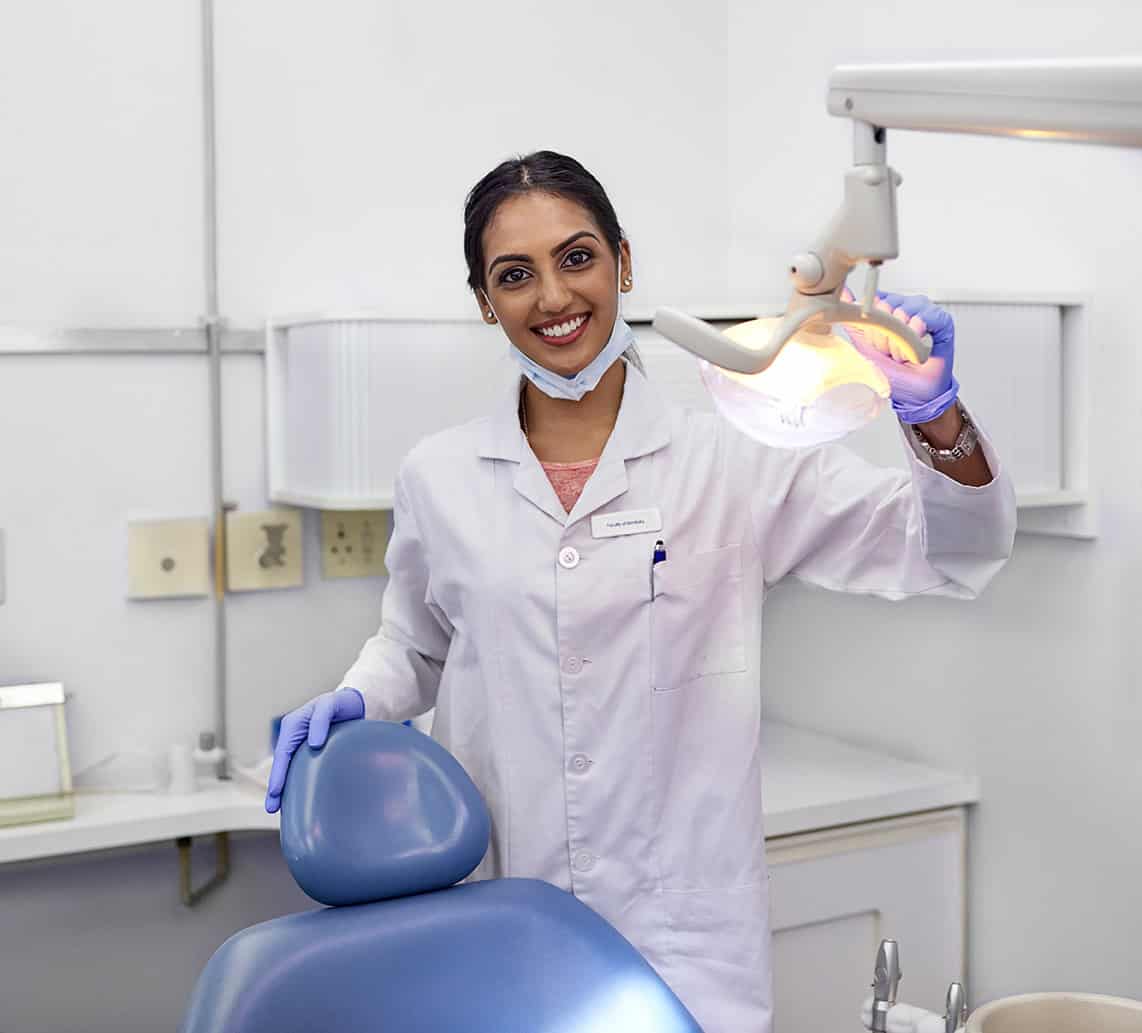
809,782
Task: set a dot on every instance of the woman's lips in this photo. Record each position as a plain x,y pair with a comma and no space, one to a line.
571,338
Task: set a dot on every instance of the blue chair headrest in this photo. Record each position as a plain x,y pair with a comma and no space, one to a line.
380,811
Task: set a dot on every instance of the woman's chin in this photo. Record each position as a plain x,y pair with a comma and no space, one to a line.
566,365
567,360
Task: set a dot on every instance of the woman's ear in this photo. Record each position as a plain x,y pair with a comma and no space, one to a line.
626,277
486,311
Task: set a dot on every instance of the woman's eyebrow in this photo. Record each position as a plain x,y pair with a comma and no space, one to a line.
571,240
554,251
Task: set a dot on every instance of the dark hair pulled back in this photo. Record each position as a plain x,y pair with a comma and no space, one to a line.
547,171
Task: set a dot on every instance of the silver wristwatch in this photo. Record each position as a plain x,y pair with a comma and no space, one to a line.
965,444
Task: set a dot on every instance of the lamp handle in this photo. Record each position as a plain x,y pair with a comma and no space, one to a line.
706,342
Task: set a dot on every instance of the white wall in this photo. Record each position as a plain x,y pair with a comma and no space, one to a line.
1034,686
348,137
347,140
101,182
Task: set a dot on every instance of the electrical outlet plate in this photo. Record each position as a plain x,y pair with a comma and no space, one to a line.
168,558
353,542
263,550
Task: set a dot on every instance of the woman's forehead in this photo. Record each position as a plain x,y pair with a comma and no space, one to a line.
535,222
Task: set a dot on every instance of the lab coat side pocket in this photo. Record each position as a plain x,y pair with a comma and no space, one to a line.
697,620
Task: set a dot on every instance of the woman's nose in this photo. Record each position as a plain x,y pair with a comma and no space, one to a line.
553,295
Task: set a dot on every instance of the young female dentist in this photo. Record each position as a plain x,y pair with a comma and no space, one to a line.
609,706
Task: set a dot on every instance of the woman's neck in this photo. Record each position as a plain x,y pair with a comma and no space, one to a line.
562,431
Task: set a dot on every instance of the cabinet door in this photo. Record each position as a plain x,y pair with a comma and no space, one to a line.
834,895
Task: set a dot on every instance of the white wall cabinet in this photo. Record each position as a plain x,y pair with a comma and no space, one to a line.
1023,361
348,397
835,894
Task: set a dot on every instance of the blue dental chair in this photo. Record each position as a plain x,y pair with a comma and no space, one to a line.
380,824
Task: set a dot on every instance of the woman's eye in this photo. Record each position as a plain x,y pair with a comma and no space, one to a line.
580,256
511,276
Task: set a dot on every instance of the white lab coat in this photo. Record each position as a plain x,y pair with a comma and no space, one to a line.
616,738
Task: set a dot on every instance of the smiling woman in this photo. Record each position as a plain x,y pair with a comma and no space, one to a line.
576,585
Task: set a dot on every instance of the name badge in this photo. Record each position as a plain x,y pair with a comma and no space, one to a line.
630,521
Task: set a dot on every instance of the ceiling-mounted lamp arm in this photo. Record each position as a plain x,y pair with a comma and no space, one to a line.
864,228
1090,100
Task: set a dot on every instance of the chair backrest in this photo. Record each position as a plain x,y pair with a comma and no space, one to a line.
381,823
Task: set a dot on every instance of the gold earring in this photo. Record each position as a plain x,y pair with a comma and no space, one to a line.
627,282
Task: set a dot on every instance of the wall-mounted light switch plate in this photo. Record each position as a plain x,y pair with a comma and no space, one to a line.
353,542
263,550
168,558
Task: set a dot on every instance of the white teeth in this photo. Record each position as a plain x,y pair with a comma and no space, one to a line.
564,329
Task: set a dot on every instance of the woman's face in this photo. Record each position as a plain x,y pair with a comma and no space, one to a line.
552,280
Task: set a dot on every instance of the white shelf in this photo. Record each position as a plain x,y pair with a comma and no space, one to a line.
104,821
1051,499
810,782
310,500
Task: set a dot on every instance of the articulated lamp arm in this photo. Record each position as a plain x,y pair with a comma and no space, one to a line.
864,229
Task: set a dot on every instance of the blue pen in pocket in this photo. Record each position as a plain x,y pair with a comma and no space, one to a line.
658,557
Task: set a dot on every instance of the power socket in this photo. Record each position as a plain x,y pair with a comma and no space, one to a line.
353,543
264,550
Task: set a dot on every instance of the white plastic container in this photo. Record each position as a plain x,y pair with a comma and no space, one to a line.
183,778
1058,1013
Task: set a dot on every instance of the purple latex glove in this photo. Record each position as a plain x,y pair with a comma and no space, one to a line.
311,720
919,392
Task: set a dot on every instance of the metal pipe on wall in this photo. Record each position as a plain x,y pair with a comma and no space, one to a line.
213,327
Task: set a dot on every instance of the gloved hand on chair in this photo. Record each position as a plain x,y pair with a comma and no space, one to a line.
312,721
919,392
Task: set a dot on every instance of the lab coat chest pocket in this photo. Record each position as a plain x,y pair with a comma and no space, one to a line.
697,624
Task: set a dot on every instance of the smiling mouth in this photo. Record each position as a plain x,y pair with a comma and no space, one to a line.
563,333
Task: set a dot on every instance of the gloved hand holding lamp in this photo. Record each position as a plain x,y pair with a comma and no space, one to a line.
923,395
920,393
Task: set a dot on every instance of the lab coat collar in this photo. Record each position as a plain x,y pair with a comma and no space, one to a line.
642,427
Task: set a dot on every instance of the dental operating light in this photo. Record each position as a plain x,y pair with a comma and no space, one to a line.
796,380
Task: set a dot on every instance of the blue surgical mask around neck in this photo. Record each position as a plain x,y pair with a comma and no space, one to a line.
574,387
555,385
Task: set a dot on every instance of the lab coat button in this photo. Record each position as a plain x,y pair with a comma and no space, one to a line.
580,763
573,665
569,558
584,861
